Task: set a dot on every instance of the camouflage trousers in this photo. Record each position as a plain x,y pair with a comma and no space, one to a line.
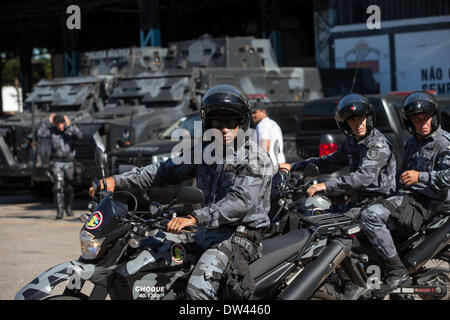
207,268
205,279
62,174
377,223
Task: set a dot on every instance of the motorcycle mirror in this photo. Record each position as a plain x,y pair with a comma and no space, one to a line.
190,195
84,217
311,170
100,157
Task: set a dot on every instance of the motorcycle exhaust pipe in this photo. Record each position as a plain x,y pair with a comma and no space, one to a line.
306,283
428,248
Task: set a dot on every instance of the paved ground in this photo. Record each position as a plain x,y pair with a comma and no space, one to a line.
32,240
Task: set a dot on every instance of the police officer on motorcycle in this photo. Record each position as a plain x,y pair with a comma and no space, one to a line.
237,198
366,151
61,134
423,185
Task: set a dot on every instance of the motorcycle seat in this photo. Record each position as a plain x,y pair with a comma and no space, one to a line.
278,249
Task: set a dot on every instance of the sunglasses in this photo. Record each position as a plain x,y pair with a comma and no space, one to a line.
220,124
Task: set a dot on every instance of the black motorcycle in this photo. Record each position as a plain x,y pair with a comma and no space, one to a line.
126,254
426,253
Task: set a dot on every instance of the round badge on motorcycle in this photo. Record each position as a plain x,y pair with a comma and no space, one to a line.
94,221
178,253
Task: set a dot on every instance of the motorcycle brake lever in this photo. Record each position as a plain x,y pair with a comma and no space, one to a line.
189,229
104,193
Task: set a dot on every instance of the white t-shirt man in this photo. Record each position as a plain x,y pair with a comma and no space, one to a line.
267,129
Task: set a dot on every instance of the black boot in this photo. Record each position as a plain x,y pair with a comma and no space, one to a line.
68,199
59,202
59,213
396,276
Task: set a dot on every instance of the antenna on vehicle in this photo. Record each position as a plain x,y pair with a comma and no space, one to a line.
354,75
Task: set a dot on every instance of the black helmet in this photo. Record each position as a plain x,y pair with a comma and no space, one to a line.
353,105
420,102
225,102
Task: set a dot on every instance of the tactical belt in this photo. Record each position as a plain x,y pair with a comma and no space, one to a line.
254,235
410,214
237,282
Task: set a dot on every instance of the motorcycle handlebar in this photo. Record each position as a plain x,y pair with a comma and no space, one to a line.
95,185
141,229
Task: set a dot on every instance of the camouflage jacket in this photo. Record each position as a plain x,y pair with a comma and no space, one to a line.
236,192
431,157
372,166
61,142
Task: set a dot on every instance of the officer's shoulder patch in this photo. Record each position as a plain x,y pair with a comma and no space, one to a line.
446,135
259,163
375,144
373,150
445,143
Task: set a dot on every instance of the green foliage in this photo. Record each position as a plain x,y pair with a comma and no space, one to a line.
41,67
10,71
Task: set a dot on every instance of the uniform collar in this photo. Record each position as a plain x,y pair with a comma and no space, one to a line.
364,139
235,153
431,137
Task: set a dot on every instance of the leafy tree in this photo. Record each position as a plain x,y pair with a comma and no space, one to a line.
41,68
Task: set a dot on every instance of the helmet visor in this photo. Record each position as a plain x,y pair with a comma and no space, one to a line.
418,106
354,109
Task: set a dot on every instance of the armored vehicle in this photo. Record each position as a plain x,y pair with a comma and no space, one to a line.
156,151
250,64
191,68
142,109
20,151
22,154
245,62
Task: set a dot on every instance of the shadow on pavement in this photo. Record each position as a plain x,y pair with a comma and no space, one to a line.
36,203
75,218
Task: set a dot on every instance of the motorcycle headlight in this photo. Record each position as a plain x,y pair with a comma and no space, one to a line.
89,246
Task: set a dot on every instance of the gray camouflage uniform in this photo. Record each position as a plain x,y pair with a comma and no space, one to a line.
431,157
371,164
61,160
236,193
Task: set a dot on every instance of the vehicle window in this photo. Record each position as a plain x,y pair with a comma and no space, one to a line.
72,108
186,123
318,117
444,105
381,121
285,117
